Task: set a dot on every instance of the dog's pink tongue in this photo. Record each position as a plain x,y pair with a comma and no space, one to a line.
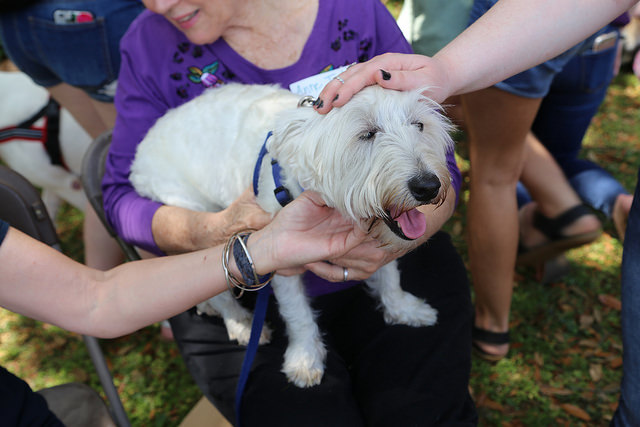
412,223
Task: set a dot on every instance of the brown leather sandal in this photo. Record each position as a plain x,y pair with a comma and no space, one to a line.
488,337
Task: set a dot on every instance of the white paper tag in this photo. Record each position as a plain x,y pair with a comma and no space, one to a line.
313,85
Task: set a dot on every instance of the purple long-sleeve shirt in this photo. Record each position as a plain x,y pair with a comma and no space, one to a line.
161,69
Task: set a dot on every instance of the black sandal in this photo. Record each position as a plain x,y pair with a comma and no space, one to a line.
558,242
488,337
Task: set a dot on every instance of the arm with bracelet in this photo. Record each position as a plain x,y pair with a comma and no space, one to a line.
39,282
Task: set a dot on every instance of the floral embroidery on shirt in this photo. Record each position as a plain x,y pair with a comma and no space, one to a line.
206,76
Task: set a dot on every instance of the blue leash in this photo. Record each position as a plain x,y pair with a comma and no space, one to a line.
260,311
259,314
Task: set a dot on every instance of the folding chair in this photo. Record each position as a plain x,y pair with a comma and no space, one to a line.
23,208
92,172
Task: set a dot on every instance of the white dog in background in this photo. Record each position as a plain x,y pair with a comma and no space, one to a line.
21,99
375,160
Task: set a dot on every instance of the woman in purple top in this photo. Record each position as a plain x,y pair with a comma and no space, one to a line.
375,373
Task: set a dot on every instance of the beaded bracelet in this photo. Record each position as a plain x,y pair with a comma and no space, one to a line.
250,279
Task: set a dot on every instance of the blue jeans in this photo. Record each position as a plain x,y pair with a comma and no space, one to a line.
82,54
628,413
574,97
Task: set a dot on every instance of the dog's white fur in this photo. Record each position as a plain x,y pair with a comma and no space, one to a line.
21,99
360,158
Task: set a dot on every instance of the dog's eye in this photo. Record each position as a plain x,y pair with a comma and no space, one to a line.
419,125
369,135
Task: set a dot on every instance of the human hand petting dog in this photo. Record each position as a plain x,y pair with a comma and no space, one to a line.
392,71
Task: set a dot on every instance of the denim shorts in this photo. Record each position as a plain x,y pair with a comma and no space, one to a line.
535,82
71,41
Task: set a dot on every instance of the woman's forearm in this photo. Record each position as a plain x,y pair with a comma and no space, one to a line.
53,288
179,230
40,282
516,35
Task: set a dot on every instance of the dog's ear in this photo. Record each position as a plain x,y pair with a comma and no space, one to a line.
290,123
297,134
290,129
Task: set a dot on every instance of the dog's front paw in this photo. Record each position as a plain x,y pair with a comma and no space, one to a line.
302,367
240,330
410,310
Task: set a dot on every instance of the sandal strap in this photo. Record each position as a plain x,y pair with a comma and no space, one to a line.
490,337
552,227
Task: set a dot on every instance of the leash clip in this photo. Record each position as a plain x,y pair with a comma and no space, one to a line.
306,101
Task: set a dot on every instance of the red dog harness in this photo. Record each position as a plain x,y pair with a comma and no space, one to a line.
48,135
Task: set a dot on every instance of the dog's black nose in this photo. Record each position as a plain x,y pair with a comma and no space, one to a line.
424,187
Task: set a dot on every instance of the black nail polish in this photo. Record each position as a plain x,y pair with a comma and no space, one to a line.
336,98
385,75
318,103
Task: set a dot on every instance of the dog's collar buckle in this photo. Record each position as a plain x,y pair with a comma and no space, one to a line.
282,194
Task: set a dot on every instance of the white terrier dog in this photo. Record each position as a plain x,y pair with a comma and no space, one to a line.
375,160
24,150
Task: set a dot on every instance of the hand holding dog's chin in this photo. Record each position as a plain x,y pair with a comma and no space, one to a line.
305,231
368,257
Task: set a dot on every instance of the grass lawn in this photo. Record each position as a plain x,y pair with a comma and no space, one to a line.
564,367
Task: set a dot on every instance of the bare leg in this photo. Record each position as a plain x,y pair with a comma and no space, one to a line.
106,111
101,251
553,194
81,107
498,123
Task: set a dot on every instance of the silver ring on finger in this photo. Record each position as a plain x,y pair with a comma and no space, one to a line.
345,274
338,78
